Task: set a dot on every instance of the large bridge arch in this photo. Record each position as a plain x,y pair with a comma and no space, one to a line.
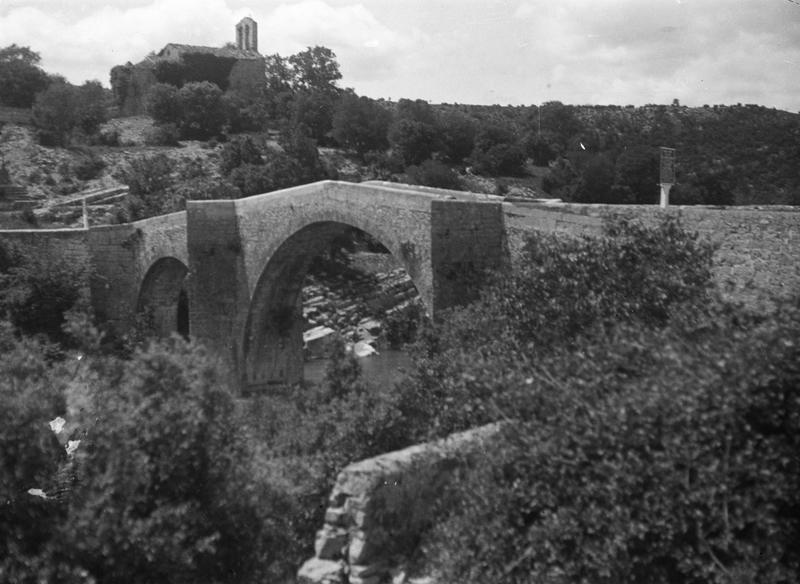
247,258
163,297
273,334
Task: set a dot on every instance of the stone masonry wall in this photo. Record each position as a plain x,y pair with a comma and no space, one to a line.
379,506
758,248
64,245
466,240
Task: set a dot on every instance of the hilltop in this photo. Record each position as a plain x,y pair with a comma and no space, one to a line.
201,139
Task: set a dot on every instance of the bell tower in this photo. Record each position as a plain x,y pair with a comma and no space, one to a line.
247,35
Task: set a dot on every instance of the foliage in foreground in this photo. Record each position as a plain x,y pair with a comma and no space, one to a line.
160,486
654,438
653,429
641,456
562,290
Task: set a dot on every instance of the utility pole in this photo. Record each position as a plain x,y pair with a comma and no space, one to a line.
539,113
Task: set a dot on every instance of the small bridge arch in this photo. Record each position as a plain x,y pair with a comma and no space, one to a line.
163,298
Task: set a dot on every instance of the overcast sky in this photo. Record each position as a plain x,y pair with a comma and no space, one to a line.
466,51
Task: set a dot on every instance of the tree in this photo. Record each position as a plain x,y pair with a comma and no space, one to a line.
315,69
413,141
31,391
63,107
198,109
280,171
637,170
596,181
21,78
149,179
202,110
162,104
238,151
561,120
457,132
121,78
497,150
432,173
303,150
92,101
278,91
360,123
164,489
55,113
314,110
414,135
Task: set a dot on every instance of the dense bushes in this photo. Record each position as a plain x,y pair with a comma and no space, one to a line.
64,112
37,290
256,169
156,485
653,436
652,427
564,288
432,173
31,392
642,455
164,490
21,78
197,109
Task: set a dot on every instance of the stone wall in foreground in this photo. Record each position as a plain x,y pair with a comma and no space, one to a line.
379,507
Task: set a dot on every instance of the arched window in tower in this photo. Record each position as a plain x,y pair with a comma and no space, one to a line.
247,35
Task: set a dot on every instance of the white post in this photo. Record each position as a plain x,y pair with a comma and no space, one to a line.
665,188
85,215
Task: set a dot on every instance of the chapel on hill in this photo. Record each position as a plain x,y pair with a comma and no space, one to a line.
236,67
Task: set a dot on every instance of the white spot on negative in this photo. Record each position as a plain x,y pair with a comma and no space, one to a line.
57,424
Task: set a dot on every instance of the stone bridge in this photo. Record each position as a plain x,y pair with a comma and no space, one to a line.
230,272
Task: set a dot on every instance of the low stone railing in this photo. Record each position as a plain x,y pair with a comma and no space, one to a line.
379,507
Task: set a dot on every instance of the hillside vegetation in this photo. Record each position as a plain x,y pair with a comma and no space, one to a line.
302,126
652,427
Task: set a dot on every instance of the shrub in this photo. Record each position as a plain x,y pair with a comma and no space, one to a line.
63,108
202,110
433,173
88,166
280,171
31,393
109,137
162,104
644,455
164,490
360,124
563,289
497,151
402,325
238,151
162,135
150,180
37,289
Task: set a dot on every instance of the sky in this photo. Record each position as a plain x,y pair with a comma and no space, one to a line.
518,52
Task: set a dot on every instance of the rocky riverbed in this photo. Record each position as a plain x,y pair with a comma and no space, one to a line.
355,305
